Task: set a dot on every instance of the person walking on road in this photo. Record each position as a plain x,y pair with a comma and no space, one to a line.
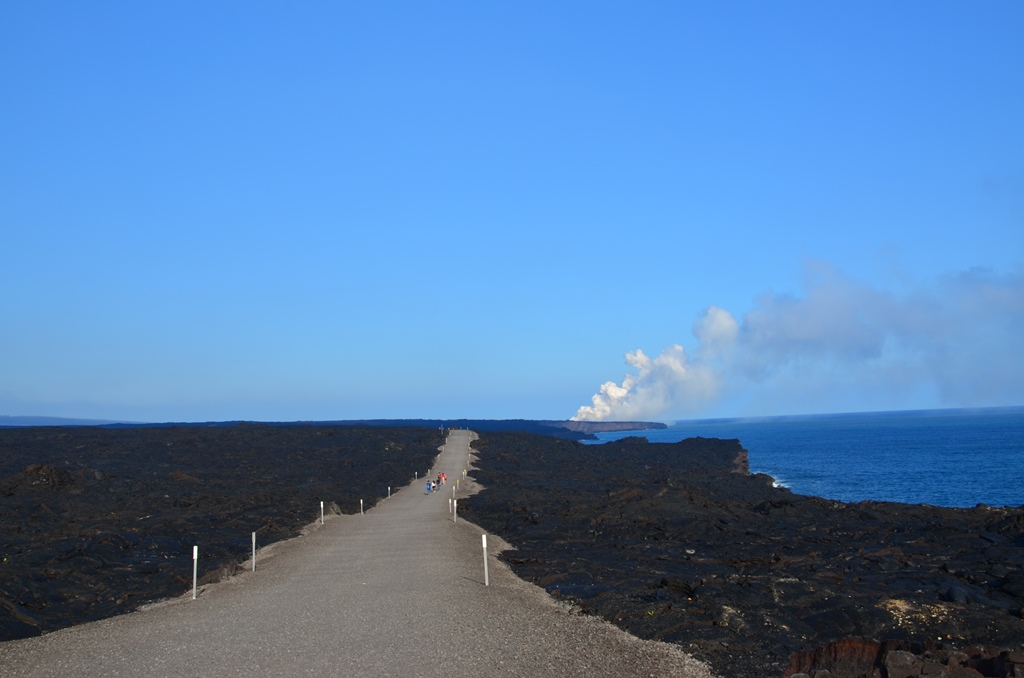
428,487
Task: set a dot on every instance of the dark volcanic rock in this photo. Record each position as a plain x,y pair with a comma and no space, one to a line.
94,521
678,542
570,430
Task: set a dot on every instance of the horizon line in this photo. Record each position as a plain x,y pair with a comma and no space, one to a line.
86,421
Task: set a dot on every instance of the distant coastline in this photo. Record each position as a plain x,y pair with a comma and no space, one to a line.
11,422
606,426
576,430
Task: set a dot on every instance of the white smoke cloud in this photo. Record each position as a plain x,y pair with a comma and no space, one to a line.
659,385
842,345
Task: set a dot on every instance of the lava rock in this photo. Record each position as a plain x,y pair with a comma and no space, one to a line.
768,581
97,521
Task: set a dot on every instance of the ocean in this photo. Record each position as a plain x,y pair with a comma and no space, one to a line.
955,458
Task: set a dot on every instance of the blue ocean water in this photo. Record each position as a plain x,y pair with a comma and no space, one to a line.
957,458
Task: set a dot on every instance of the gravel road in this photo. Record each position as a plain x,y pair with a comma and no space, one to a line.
398,591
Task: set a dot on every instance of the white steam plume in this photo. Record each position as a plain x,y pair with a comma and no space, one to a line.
659,384
843,345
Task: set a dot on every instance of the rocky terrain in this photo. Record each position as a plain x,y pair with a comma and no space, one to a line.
569,429
96,521
679,542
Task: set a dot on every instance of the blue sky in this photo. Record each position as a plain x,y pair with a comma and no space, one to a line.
214,211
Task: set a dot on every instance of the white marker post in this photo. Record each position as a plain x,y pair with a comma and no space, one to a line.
321,512
449,504
195,569
455,511
487,581
360,507
389,492
253,551
417,475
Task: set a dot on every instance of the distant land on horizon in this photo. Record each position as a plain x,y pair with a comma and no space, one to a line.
581,427
561,429
6,420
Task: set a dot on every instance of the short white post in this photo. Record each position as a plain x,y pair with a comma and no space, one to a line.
253,551
449,504
417,475
455,511
360,507
487,581
321,512
389,492
195,569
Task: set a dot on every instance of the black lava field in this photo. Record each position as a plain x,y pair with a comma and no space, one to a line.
680,543
96,521
675,542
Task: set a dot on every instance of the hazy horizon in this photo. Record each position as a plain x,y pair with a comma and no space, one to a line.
10,420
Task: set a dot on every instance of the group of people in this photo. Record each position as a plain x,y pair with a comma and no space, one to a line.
433,485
